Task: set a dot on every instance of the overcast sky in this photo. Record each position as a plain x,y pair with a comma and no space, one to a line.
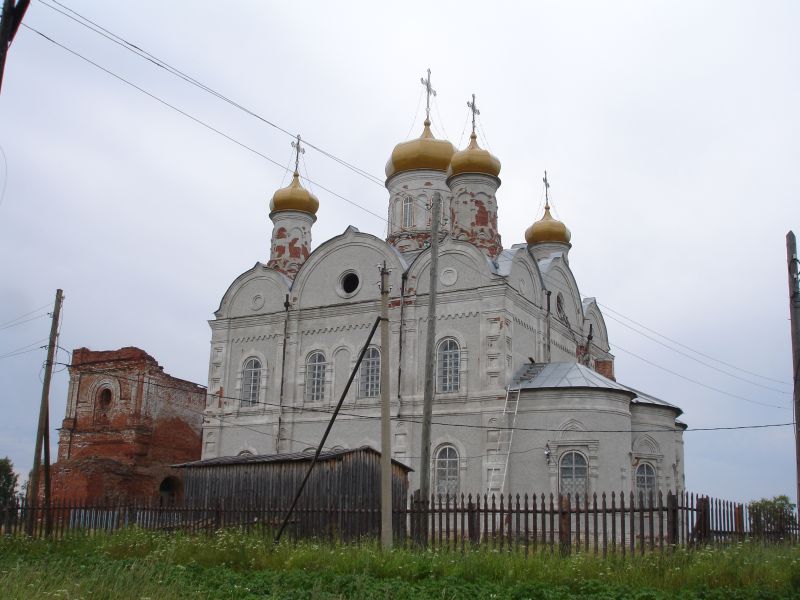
670,132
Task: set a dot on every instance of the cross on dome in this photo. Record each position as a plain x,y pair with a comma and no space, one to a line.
475,112
430,92
546,191
298,151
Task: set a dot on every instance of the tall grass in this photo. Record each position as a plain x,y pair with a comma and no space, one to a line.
164,566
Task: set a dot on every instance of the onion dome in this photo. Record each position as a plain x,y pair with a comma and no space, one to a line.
474,159
547,229
294,197
425,152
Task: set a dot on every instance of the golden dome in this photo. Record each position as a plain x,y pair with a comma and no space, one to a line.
425,152
474,159
294,197
547,229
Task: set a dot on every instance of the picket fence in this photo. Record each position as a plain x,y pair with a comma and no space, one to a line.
602,524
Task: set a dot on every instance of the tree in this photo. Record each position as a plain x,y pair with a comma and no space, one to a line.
8,481
772,517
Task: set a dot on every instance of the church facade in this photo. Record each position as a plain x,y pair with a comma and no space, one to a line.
526,398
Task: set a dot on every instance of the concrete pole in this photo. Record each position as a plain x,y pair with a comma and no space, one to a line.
43,429
794,315
386,432
430,356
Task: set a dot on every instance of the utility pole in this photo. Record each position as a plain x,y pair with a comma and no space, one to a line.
10,20
794,316
430,358
43,430
386,433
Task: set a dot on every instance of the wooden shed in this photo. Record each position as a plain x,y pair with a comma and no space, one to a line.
342,493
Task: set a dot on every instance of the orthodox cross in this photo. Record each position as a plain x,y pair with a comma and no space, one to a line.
430,91
298,151
475,112
546,191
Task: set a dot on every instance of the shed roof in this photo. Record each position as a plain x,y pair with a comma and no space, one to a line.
244,459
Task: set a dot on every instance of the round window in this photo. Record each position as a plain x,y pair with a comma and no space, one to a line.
350,283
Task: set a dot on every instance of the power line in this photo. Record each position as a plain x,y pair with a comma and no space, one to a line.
230,138
556,285
727,364
135,49
700,383
25,320
689,356
35,310
195,119
444,424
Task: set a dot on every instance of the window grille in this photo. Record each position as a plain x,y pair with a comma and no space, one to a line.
446,471
408,212
315,377
370,380
251,382
574,474
448,359
645,480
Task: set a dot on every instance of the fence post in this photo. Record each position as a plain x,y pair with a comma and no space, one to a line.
672,520
702,524
565,525
473,524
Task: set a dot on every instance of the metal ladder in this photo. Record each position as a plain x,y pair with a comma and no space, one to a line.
498,462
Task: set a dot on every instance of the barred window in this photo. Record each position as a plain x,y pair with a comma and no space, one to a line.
251,382
370,381
315,377
447,362
408,212
445,471
574,474
645,480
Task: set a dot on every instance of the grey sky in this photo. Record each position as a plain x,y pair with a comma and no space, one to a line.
669,130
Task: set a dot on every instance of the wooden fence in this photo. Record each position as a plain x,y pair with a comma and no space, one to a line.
601,524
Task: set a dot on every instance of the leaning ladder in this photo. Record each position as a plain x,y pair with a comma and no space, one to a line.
498,462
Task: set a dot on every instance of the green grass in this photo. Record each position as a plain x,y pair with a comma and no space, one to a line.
136,564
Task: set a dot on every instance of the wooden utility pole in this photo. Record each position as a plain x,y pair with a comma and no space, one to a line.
43,430
794,316
430,356
386,432
10,20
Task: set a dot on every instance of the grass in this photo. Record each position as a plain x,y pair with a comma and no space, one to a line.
137,564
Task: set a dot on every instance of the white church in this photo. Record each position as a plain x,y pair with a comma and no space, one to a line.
526,399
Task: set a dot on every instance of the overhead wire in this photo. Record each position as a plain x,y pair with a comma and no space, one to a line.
138,50
35,310
727,364
557,285
23,322
195,119
415,420
689,356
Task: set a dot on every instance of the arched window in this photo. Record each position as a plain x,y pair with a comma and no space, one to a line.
251,382
315,377
370,380
445,471
408,212
105,399
574,474
645,480
448,357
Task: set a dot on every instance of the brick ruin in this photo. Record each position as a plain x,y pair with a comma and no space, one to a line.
126,422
